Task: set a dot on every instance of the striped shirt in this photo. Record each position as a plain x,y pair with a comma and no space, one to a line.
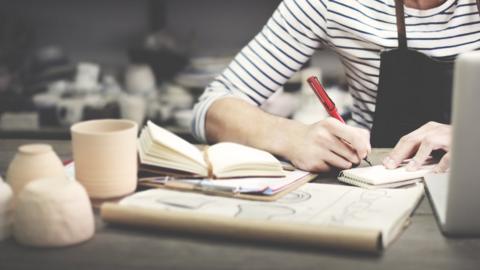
357,30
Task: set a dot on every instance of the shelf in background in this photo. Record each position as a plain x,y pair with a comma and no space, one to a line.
61,133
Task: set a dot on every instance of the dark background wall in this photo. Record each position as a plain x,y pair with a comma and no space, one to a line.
101,30
218,26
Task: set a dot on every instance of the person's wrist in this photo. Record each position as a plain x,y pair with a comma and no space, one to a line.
288,135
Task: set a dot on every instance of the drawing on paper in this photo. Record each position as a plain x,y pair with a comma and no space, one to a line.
191,203
296,196
384,210
262,211
361,208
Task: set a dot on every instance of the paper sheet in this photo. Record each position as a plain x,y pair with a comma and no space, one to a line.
335,206
379,175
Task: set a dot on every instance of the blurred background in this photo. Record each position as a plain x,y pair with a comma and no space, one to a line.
62,62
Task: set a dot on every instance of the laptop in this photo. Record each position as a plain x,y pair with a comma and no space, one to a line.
455,196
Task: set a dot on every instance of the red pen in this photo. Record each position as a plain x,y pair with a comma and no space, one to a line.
324,98
327,102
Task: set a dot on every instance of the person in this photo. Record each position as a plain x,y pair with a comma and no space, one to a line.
397,57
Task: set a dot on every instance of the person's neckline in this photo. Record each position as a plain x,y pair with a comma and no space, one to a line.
428,12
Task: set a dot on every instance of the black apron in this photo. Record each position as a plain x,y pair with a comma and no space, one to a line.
413,89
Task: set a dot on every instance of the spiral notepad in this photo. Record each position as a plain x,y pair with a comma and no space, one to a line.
380,177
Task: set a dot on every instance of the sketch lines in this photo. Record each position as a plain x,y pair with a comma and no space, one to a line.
262,211
361,208
296,196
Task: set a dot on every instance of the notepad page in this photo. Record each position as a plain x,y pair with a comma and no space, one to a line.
168,139
232,159
379,175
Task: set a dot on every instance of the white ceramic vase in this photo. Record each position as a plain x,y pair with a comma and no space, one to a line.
33,161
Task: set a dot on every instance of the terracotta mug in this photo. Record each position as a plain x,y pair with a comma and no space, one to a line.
31,162
105,156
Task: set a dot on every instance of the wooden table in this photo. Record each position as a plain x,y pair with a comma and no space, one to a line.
421,246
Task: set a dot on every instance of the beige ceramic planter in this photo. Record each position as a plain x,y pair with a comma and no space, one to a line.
105,156
33,161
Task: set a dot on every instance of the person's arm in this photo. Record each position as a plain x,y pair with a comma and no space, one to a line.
315,147
419,144
228,109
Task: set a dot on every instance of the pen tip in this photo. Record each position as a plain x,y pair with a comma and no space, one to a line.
367,161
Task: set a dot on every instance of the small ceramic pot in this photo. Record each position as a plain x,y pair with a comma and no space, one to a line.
33,161
53,212
105,156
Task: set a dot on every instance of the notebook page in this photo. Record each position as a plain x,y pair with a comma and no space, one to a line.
172,141
227,157
377,175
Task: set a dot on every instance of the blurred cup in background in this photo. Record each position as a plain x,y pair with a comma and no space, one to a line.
70,111
46,105
139,79
132,107
86,79
178,97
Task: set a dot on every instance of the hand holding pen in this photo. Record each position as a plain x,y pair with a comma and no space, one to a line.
330,107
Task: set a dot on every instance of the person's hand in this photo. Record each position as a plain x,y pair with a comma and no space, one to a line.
419,144
322,145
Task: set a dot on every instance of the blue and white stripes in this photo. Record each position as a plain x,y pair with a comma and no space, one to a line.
358,30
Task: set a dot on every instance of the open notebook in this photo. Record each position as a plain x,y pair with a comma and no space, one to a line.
160,149
380,177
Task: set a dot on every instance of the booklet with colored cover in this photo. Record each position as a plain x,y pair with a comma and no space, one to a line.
251,188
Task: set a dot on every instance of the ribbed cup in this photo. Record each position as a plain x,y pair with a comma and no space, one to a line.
105,156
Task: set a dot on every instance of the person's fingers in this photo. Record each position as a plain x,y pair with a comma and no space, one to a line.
408,145
319,166
423,153
312,159
369,145
402,150
405,148
365,142
443,165
358,138
337,161
342,149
